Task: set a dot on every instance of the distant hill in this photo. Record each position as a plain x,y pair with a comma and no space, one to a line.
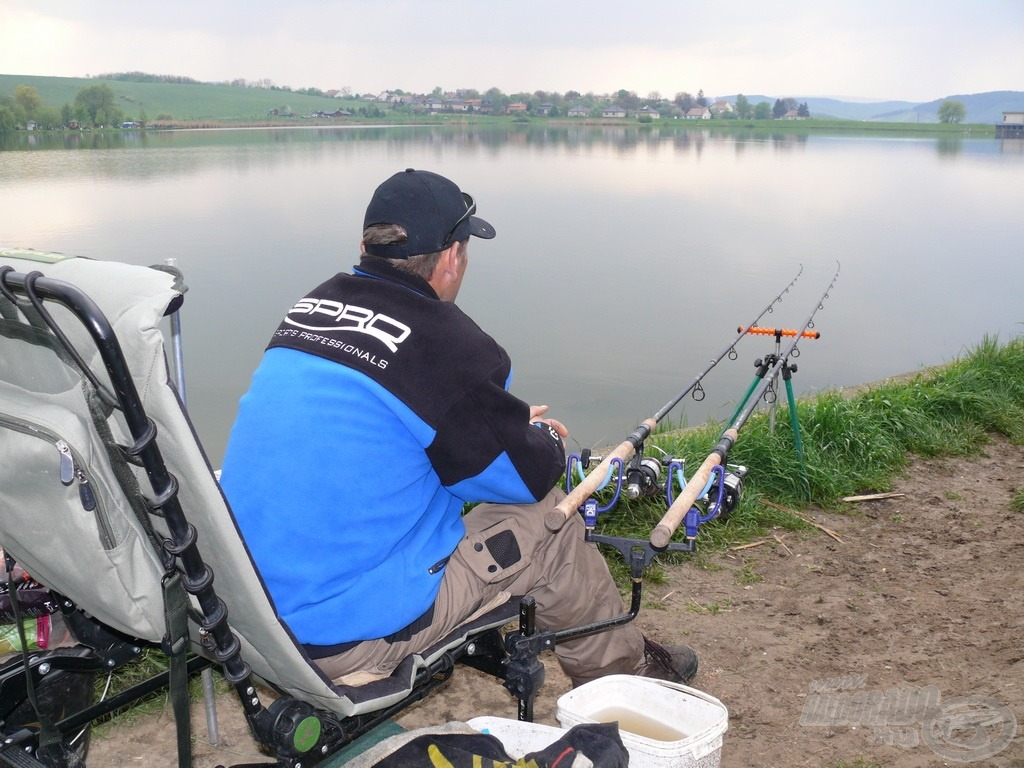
182,101
981,107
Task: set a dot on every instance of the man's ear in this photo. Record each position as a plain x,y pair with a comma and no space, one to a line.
446,272
449,261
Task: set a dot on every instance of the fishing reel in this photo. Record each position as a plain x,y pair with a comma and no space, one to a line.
731,485
720,496
642,478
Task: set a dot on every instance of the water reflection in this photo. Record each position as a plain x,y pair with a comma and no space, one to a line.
626,255
588,135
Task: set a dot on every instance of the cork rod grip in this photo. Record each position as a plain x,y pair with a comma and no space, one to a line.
662,533
555,519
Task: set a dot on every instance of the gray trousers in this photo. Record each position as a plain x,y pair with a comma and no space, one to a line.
508,549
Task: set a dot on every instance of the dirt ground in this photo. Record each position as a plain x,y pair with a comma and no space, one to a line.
895,639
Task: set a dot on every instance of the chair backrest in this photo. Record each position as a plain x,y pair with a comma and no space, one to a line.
72,503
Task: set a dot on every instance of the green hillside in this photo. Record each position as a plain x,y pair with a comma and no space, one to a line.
198,101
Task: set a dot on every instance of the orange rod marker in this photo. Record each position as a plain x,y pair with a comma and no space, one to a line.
779,332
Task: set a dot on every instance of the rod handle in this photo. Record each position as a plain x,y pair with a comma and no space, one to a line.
662,533
555,519
778,331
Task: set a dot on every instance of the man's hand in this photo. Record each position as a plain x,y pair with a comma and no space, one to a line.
536,411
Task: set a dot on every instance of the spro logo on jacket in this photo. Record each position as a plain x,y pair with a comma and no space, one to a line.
327,316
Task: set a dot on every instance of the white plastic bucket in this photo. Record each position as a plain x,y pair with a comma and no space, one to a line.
675,726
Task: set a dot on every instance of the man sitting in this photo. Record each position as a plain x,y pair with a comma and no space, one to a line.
378,411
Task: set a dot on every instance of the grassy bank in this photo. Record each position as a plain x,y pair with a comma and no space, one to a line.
852,445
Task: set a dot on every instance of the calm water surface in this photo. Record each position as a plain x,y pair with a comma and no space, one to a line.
625,258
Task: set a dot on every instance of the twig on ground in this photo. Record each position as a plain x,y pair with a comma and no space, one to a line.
873,497
748,546
806,519
782,544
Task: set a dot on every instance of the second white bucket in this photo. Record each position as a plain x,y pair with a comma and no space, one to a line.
662,724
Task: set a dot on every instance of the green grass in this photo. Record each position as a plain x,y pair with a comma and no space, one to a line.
199,101
1017,502
152,662
852,445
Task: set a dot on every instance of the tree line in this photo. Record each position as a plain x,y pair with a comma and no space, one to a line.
94,106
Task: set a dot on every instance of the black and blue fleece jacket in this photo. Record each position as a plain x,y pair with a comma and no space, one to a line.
376,412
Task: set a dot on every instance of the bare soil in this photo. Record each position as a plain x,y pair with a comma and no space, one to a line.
895,640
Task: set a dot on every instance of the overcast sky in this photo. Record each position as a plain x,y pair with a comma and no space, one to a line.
914,50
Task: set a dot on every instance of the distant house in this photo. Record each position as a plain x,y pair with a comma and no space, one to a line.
793,114
578,111
335,115
517,106
31,125
72,125
698,113
434,104
130,124
455,105
613,111
1011,127
649,111
720,107
273,112
545,109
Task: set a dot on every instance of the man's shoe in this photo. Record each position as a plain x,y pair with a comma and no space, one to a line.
675,663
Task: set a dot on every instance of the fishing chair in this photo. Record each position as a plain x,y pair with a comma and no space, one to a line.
107,498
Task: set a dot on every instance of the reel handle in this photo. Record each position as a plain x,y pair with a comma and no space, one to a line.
662,533
555,519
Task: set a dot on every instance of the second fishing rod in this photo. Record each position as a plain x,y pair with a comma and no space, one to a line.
629,447
683,504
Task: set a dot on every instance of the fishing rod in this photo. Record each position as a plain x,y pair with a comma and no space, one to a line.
662,533
556,518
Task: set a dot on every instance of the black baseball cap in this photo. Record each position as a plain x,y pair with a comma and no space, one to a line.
433,211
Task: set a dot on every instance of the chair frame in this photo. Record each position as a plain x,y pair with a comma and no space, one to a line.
283,728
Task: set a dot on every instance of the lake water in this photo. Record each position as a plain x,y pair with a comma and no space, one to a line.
625,257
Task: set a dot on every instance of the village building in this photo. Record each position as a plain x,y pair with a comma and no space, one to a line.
698,113
613,111
1012,126
335,115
